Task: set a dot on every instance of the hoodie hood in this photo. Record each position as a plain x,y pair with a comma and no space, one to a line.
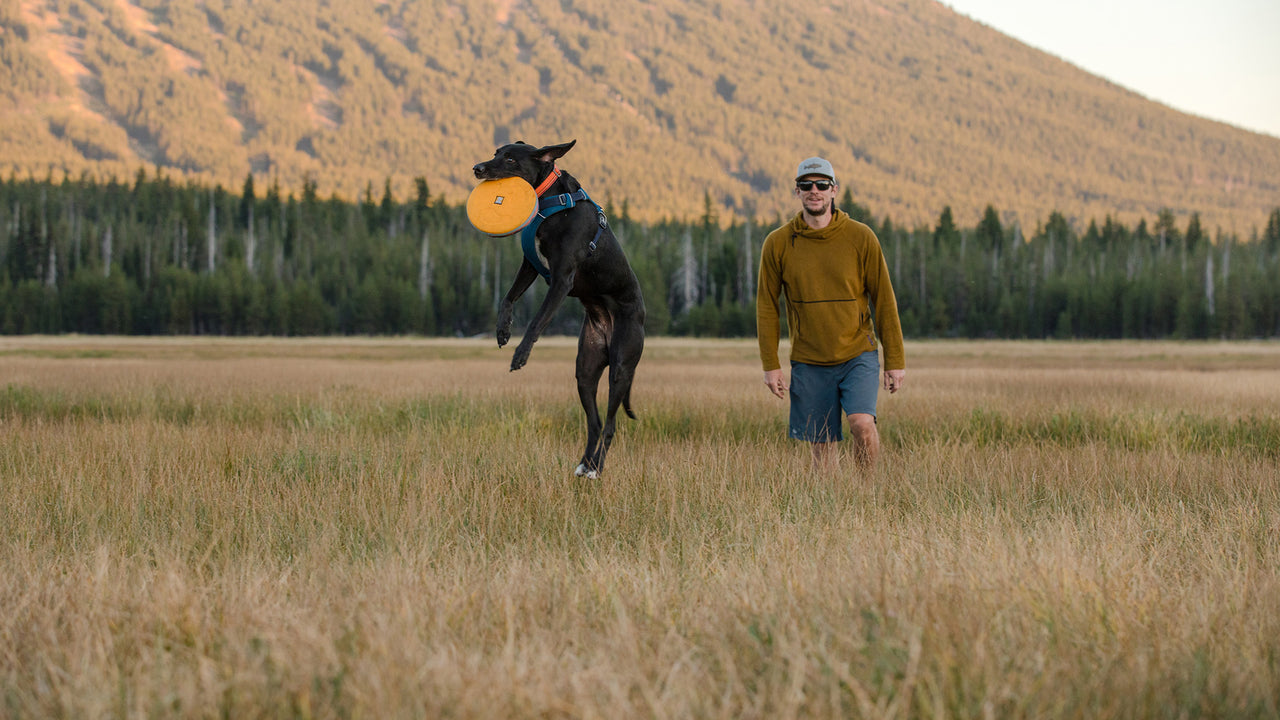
839,224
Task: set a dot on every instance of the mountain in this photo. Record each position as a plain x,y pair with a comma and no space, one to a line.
679,107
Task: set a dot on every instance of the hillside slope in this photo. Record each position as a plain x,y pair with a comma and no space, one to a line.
672,102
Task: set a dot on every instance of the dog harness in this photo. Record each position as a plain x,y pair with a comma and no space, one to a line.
548,206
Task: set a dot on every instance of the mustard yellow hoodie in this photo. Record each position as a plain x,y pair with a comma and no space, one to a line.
833,280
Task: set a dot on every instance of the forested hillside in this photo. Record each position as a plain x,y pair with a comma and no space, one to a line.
677,105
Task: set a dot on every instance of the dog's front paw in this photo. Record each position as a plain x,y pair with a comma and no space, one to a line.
504,323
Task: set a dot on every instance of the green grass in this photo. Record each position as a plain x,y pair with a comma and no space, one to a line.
405,538
1255,435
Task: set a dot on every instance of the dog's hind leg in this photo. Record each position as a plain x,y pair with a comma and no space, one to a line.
625,347
593,357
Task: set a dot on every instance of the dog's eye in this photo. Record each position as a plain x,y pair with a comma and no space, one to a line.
511,161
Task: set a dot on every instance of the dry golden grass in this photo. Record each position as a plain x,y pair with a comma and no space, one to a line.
390,528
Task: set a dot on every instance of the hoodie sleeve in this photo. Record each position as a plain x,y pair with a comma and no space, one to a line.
880,292
768,288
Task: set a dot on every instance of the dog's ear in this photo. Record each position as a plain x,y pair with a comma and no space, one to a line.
551,153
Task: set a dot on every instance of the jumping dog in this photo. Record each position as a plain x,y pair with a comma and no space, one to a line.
583,260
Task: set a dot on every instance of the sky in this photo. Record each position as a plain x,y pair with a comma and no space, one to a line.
1218,59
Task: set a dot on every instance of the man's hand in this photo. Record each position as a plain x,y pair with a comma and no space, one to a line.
893,380
776,381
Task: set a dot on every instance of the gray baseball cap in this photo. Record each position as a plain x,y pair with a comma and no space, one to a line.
815,166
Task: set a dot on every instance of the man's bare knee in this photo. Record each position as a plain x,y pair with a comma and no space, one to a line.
862,425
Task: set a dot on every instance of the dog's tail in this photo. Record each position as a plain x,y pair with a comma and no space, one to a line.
626,405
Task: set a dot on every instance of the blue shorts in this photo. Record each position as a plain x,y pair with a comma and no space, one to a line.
820,392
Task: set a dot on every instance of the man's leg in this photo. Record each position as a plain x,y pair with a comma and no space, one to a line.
866,439
826,457
816,414
858,391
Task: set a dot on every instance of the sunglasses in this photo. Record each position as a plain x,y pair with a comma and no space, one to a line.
807,185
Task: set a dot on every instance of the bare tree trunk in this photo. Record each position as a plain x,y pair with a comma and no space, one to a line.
897,258
924,295
424,266
50,270
1048,256
1031,289
250,243
497,274
51,274
687,275
279,259
7,238
1208,283
1226,258
705,290
212,244
77,230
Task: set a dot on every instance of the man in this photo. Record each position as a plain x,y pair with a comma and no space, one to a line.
834,277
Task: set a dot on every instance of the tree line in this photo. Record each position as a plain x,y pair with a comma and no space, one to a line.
155,256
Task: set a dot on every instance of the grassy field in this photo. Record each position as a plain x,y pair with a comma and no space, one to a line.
391,529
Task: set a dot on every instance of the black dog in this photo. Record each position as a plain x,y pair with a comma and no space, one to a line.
583,260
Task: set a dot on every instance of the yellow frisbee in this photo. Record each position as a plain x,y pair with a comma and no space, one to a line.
502,207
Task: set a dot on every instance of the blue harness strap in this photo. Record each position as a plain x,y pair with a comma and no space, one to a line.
547,207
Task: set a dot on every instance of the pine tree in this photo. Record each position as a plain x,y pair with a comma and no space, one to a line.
945,234
1195,234
1166,230
990,232
1271,238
